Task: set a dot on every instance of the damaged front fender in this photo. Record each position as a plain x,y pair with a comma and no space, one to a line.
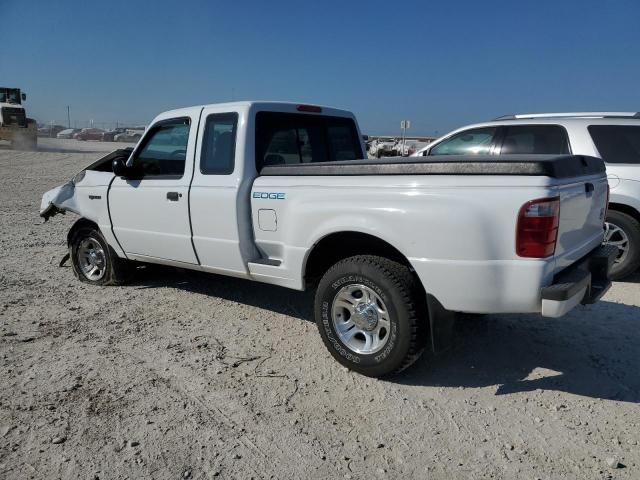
58,200
85,193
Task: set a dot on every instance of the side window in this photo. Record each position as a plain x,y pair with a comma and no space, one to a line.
617,143
535,139
219,144
285,138
470,142
164,149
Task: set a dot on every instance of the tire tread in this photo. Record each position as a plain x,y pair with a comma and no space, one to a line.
406,283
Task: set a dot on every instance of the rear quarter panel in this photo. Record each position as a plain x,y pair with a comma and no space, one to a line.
458,232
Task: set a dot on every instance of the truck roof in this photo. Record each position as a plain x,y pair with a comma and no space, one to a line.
273,106
571,115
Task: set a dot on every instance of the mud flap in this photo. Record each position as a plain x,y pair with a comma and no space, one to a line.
64,259
441,323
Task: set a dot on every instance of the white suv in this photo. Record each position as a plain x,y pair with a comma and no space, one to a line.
612,136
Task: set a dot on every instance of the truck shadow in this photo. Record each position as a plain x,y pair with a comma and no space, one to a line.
270,297
634,278
594,351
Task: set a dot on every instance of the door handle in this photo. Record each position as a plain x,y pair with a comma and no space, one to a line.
588,187
173,196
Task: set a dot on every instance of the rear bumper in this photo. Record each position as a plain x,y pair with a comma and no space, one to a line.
585,282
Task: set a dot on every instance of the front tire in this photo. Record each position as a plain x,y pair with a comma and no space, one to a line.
623,231
94,261
371,315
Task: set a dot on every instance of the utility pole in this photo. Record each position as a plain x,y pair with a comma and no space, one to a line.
404,125
68,117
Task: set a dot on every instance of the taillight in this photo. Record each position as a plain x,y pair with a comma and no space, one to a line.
309,108
606,207
537,229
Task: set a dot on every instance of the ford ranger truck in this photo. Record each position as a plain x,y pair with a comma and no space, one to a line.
281,193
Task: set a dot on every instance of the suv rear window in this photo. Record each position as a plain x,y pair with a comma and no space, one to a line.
535,139
285,138
617,143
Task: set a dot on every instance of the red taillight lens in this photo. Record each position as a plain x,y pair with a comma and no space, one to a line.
309,108
537,229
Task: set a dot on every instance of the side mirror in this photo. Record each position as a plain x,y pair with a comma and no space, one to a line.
24,96
119,167
365,138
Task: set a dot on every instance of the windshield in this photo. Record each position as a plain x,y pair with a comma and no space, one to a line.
10,95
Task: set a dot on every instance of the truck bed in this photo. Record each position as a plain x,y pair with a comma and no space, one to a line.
554,166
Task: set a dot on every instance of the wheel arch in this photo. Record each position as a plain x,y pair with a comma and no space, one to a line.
338,245
629,210
81,223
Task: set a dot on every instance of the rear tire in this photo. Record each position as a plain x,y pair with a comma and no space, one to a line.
623,231
371,315
94,261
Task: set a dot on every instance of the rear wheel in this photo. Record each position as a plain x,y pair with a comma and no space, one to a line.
623,231
94,261
370,315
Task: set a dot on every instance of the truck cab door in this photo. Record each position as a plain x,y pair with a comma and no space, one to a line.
150,208
220,208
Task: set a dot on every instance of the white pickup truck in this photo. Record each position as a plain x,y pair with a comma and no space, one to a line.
279,193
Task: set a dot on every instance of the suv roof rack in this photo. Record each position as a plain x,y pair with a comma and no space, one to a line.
572,115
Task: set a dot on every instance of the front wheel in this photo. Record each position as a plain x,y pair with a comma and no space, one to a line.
371,315
94,261
623,231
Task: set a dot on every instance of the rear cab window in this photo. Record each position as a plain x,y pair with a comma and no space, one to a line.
291,138
617,143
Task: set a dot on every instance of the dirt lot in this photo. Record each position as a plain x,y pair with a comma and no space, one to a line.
184,375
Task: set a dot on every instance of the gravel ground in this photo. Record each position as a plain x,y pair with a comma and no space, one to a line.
186,375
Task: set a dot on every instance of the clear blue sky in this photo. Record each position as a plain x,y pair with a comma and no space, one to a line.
439,63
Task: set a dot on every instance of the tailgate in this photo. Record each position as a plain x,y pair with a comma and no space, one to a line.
583,206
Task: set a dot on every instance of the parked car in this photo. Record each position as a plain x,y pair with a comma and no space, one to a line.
416,146
50,131
68,133
129,136
89,134
612,136
109,135
406,148
383,147
390,248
